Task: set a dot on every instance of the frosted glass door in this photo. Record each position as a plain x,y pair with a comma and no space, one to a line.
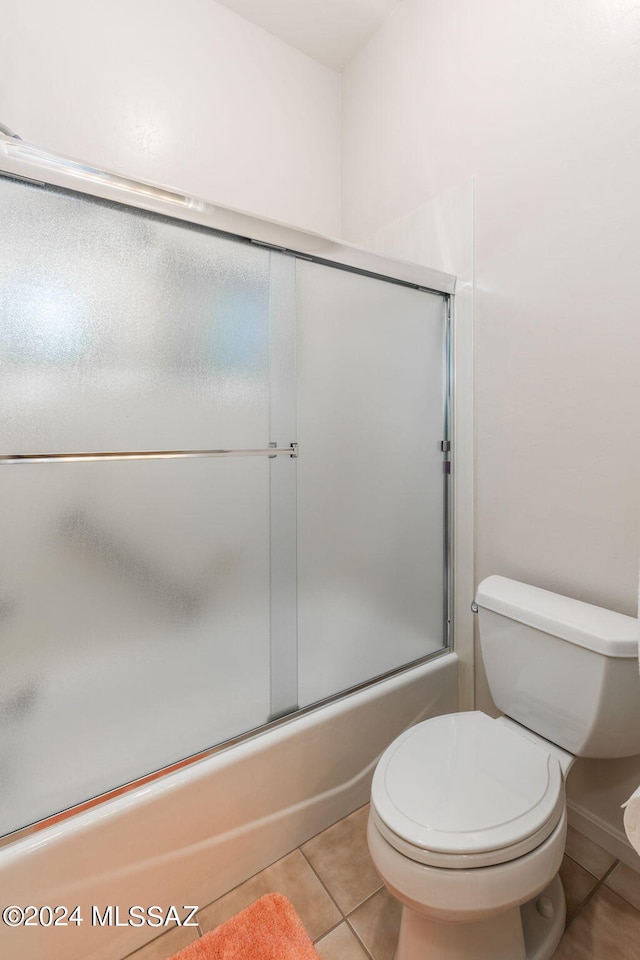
133,598
370,477
148,606
121,330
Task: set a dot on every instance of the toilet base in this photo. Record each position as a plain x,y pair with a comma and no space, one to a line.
522,933
542,934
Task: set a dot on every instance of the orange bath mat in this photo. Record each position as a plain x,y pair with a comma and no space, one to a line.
269,929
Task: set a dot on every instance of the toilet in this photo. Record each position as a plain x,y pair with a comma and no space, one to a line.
468,820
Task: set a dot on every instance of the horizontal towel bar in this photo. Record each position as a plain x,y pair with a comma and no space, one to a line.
291,451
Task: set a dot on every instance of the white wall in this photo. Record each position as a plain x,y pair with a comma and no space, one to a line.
539,101
183,93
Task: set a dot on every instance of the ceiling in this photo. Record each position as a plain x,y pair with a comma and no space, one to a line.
330,31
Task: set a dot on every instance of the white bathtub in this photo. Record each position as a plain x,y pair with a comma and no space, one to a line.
192,835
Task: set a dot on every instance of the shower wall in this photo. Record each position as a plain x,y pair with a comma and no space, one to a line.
159,596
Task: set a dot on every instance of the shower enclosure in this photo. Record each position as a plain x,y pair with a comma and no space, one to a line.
223,483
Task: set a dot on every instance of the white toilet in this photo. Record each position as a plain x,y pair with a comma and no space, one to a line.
468,822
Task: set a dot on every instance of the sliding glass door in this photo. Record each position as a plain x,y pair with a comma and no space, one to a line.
371,387
172,573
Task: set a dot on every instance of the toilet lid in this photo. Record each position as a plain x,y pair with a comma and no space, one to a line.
463,790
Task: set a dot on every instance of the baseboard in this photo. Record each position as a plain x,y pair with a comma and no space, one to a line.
612,840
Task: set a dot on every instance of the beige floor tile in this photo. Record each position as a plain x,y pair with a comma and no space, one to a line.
588,854
340,857
165,946
293,877
625,882
377,923
341,944
605,928
577,882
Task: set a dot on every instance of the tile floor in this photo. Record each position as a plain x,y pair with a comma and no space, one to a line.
333,885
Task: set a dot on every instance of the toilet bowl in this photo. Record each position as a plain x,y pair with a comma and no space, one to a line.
467,821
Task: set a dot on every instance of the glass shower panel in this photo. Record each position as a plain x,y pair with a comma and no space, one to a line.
133,597
370,477
148,608
123,330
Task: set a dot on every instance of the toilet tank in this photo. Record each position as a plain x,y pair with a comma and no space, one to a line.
565,669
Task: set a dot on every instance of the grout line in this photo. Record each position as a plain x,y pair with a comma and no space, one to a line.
366,900
592,892
324,887
359,938
583,867
342,913
344,918
330,930
620,863
608,872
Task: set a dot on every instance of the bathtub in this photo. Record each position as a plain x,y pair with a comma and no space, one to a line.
190,836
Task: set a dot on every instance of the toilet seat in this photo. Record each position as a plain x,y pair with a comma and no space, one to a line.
463,790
